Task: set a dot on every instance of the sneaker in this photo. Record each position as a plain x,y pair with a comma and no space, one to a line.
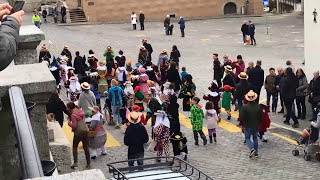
93,157
229,118
252,152
74,165
205,141
215,139
103,154
281,111
286,122
244,44
256,155
296,125
264,139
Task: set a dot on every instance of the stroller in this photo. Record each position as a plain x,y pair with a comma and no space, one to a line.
307,141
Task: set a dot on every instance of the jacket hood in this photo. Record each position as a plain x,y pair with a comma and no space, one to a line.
79,114
211,111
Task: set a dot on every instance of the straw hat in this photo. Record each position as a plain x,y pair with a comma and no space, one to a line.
65,47
142,48
243,75
102,63
164,51
251,96
150,83
94,109
134,118
70,68
229,68
85,85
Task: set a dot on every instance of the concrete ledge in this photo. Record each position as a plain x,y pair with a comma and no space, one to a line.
94,174
30,33
60,147
31,78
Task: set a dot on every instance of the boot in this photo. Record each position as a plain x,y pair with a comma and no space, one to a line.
204,140
196,143
74,165
236,107
214,137
281,111
210,138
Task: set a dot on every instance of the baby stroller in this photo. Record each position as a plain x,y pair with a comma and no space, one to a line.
307,141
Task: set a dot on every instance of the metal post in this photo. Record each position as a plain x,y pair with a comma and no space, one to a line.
277,6
28,153
267,23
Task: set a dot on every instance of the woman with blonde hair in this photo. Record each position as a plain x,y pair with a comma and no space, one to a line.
115,95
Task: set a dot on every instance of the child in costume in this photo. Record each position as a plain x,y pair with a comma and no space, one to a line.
212,121
265,124
138,97
196,118
168,90
213,96
143,78
226,100
179,145
129,94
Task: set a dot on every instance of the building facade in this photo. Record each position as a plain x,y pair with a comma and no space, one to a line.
120,10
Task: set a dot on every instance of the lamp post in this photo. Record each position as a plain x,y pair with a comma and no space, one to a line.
247,7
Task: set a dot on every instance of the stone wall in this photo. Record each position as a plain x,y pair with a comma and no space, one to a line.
30,5
120,10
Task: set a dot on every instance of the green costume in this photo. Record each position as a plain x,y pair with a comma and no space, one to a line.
196,118
226,100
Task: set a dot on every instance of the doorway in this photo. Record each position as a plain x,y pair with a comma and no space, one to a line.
230,8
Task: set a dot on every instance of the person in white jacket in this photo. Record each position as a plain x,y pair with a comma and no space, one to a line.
121,74
317,123
134,20
212,121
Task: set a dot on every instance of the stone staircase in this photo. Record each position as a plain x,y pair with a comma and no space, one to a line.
77,16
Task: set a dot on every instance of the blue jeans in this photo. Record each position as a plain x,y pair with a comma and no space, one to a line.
274,100
116,113
248,132
244,37
240,104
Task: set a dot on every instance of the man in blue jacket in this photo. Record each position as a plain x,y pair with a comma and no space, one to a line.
182,25
252,31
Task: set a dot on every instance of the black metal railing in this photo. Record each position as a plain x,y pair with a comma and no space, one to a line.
174,165
28,153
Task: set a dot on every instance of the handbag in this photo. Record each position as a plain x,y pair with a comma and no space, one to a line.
152,146
92,133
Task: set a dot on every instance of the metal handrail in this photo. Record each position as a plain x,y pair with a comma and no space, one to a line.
120,175
27,147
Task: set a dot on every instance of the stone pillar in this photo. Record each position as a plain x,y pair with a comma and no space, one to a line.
30,38
37,83
311,37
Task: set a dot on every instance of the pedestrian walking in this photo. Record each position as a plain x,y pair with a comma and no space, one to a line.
141,20
67,53
99,140
182,26
183,73
44,54
173,114
142,57
162,134
213,96
196,118
63,13
86,98
251,116
245,32
290,85
135,137
314,94
175,55
78,64
148,47
57,107
212,121
252,31
242,88
270,87
134,20
256,78
36,19
77,123
44,15
217,70
115,95
301,94
174,77
166,24
239,66
163,56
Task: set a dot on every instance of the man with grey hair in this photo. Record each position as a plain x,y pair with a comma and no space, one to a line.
279,79
166,24
182,25
314,90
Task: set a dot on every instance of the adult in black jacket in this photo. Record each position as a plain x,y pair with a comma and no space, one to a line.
174,76
77,63
245,31
44,54
242,88
148,48
141,20
135,136
229,77
277,84
175,55
57,107
256,78
66,52
314,90
217,70
173,112
290,84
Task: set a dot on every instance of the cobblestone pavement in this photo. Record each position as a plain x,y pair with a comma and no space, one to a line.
228,159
